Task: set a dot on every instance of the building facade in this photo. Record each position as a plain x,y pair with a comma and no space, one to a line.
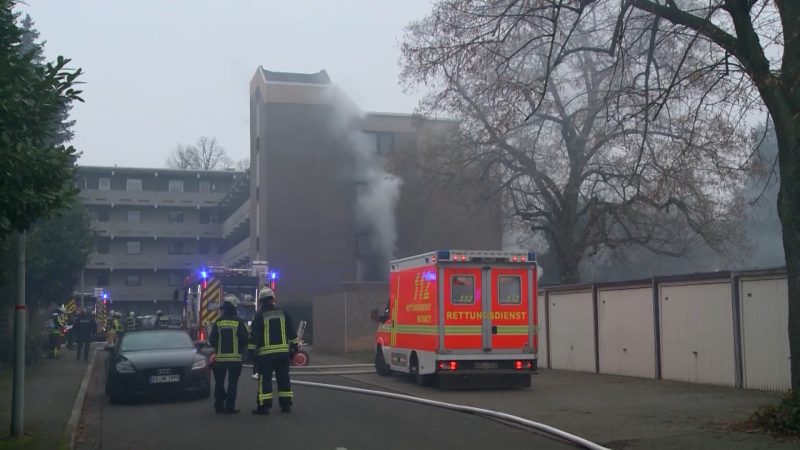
153,227
336,193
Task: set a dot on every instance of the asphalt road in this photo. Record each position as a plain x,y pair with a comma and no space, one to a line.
321,419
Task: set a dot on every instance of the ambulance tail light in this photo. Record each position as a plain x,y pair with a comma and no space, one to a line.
523,365
448,365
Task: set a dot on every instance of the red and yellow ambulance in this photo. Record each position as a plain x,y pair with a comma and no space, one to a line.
458,315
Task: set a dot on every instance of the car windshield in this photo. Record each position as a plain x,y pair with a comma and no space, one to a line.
155,340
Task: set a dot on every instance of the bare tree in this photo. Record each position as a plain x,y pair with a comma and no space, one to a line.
570,167
207,154
243,165
718,66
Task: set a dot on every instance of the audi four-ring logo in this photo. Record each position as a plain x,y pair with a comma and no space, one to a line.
163,371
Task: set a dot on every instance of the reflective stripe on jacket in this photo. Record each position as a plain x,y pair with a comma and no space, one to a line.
273,333
229,338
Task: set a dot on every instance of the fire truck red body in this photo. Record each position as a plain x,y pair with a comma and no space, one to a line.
459,315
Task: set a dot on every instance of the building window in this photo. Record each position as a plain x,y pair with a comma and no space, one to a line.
133,247
220,247
203,247
102,278
102,215
205,217
205,186
134,185
385,143
175,279
103,246
104,183
134,216
175,217
176,185
133,279
175,248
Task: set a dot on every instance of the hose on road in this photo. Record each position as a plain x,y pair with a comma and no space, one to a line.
546,429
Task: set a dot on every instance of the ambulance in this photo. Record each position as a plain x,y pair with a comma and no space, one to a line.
458,316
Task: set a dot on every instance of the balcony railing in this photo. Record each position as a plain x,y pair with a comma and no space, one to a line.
157,230
147,198
145,262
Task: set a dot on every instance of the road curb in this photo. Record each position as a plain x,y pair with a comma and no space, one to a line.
71,432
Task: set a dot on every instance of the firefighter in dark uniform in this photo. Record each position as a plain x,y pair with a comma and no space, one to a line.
229,339
273,338
162,321
130,322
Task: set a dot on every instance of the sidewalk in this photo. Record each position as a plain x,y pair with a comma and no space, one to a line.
50,390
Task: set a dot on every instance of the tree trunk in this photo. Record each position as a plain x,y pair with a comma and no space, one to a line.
568,268
788,133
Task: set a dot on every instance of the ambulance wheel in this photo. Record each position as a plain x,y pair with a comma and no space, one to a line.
420,379
380,363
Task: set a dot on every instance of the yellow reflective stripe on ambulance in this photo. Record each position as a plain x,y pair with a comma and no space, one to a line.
463,329
416,329
512,329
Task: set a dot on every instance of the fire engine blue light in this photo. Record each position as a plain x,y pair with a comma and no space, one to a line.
204,274
105,296
429,276
273,275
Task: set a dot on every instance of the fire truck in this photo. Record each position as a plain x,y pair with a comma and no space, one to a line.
458,316
208,287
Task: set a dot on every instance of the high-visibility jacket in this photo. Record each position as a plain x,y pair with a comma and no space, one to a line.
130,323
229,338
56,324
116,324
272,333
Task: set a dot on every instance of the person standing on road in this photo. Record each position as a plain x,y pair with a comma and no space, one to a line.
114,327
55,325
130,322
273,338
85,327
229,339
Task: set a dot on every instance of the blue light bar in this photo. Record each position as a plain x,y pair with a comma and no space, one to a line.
443,254
204,274
273,275
531,257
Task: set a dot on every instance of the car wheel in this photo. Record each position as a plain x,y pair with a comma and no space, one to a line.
380,363
420,379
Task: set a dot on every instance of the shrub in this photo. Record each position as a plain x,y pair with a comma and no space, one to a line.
783,419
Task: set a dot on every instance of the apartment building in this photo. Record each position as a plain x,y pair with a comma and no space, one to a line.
337,192
154,226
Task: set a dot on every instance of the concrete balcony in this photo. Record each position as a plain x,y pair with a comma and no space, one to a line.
157,230
238,221
150,198
238,254
146,262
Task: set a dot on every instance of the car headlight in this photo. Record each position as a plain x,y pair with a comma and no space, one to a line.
199,364
125,367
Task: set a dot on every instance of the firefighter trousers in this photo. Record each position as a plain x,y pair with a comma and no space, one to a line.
266,365
226,399
83,349
54,345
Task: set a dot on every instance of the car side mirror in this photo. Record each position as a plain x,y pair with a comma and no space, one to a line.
109,348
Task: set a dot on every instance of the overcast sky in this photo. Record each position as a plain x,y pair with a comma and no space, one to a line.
163,72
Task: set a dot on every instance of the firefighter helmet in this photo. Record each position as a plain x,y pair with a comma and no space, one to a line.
131,314
230,298
265,293
159,313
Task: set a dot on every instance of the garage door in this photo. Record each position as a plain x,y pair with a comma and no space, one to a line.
572,331
697,333
765,336
626,332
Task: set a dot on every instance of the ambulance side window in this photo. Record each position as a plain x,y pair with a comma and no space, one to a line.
462,289
509,291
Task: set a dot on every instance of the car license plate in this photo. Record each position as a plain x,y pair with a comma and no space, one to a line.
164,379
486,365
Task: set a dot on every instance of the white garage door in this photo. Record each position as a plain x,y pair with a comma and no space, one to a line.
697,333
572,331
626,332
765,335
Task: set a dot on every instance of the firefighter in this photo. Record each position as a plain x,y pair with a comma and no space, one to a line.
162,321
55,325
85,327
113,326
130,321
272,338
229,339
